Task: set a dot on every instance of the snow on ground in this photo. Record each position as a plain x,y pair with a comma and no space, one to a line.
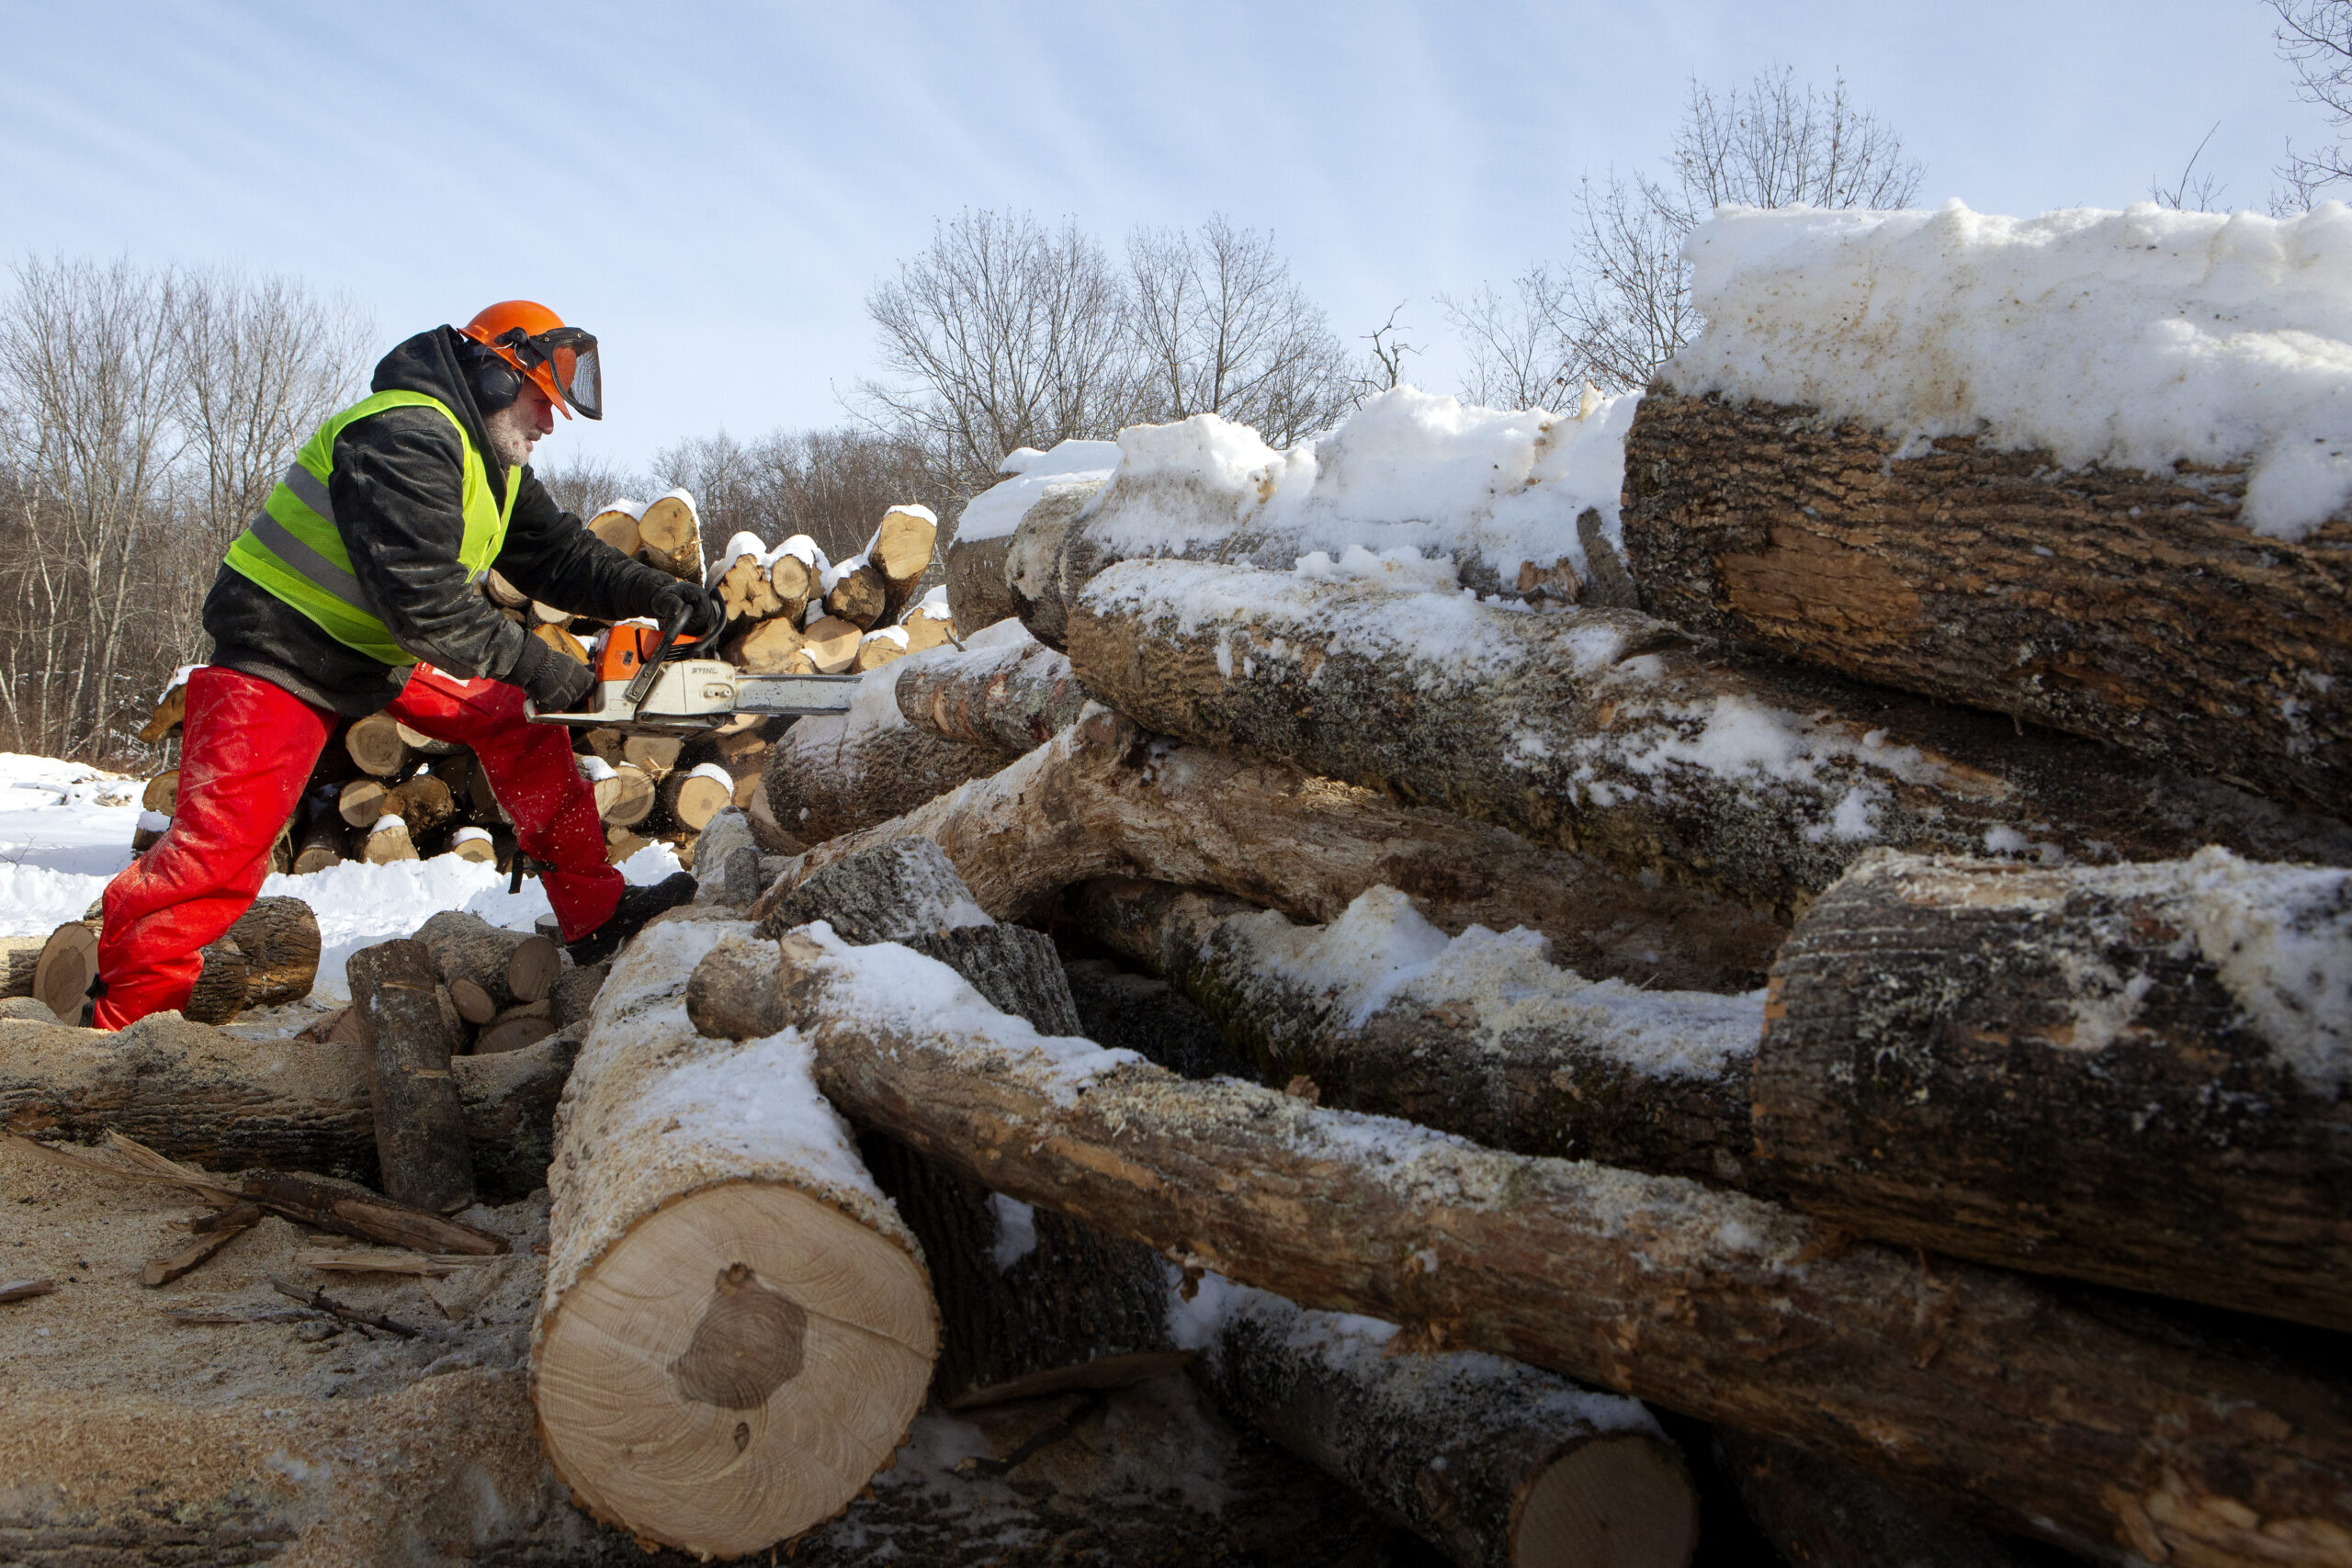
2135,338
65,830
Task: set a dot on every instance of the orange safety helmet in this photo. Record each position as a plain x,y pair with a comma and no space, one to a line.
561,361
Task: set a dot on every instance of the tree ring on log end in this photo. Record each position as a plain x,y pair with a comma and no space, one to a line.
750,1341
1615,1499
637,1439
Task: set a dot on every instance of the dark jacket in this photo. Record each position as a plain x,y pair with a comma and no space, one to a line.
398,487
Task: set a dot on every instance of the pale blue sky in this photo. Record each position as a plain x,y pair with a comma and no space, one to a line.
713,188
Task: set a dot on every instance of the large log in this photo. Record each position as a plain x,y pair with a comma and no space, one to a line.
1010,696
900,551
1101,799
2133,608
837,774
411,1030
218,1100
1825,1515
2133,1074
1605,731
1496,1462
1149,1017
1479,1034
737,1328
2097,1424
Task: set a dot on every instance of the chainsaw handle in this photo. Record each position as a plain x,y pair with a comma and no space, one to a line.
641,685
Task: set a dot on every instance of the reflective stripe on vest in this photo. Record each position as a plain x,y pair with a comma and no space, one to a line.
294,548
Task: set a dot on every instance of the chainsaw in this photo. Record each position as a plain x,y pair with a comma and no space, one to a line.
648,682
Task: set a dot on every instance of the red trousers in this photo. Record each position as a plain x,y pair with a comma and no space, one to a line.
247,752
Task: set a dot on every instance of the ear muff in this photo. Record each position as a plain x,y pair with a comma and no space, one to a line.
496,384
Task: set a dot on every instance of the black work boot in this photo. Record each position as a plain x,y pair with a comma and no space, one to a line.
638,906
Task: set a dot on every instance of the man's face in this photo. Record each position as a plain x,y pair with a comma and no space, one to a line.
516,428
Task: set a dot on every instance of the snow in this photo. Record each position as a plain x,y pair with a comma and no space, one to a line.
996,511
1381,949
471,835
800,547
932,605
2135,338
828,576
1409,471
634,508
61,816
714,772
1016,1231
742,544
897,635
2281,938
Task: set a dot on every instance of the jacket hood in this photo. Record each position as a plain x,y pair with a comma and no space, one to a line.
429,363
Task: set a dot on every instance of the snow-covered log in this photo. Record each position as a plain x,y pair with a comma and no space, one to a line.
736,1327
2133,608
836,774
2134,1075
1009,695
1712,1302
1605,731
1104,799
218,1100
1479,1034
1499,1464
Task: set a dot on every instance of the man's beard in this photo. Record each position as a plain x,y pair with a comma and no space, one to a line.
510,436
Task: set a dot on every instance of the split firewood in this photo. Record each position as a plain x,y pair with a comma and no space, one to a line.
1011,695
204,1095
562,641
900,553
694,797
413,1030
882,645
164,1271
162,793
2136,608
763,648
1488,1039
62,973
169,712
737,1328
1101,799
26,1290
2131,1075
352,1260
669,537
1816,1511
1534,1469
2171,1439
474,844
838,773
617,526
387,841
1605,731
926,629
549,615
376,745
856,593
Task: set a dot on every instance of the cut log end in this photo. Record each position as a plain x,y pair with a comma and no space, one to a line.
1623,1499
771,1348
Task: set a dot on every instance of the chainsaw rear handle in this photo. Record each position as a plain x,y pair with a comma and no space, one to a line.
666,648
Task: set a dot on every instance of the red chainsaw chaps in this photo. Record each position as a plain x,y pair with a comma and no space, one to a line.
247,750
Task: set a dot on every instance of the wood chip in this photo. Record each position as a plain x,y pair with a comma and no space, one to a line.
353,1260
164,1271
26,1290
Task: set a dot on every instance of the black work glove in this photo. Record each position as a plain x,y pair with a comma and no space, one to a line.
704,614
556,682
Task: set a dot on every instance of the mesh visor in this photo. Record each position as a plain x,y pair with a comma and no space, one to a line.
570,355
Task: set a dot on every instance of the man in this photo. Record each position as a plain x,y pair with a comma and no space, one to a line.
357,588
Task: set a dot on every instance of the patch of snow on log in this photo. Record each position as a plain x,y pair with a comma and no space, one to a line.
1016,1231
2138,338
996,511
890,987
1381,949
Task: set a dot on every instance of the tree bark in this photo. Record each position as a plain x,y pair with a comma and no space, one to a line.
2133,607
1607,732
737,1328
575,992
976,593
413,1031
470,949
2169,1440
1009,699
279,937
219,992
1499,1464
836,774
1146,1015
1101,800
2130,1075
200,1094
19,956
899,888
1488,1039
1825,1515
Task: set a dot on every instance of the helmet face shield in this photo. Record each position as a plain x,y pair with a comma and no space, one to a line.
566,356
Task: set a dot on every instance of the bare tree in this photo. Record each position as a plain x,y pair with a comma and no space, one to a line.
1520,352
1384,364
2315,38
1002,334
586,486
1625,307
1220,327
2192,192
